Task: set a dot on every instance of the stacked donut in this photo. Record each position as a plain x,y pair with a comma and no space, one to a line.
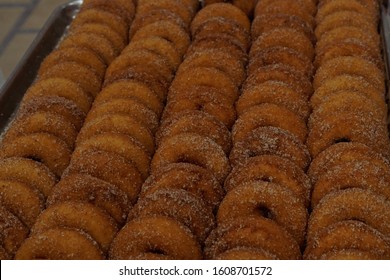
114,147
37,147
264,213
247,6
174,213
348,137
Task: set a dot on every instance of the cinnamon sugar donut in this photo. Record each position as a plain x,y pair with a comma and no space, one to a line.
59,244
155,236
268,114
307,5
41,147
275,92
81,216
351,254
179,205
85,188
196,122
246,253
270,140
266,200
247,6
192,148
348,235
29,172
254,232
122,8
190,177
109,167
274,169
349,204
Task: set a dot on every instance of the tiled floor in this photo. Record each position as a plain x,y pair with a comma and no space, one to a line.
20,21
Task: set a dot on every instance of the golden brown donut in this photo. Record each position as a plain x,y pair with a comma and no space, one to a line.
347,235
190,177
155,236
197,122
305,5
42,147
85,188
179,205
59,244
270,140
267,200
81,216
122,8
195,149
254,232
109,167
351,254
274,169
349,204
246,253
29,172
275,92
247,6
268,114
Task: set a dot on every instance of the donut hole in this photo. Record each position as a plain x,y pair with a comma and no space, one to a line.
187,159
342,140
156,251
266,179
35,158
264,211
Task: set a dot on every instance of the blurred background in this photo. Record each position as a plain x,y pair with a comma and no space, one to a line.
20,21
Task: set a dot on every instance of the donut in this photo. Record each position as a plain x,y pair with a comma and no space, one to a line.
284,37
266,22
23,201
262,199
254,232
80,55
273,169
195,122
61,87
361,174
246,6
349,204
125,146
341,153
159,45
13,233
349,83
97,43
42,122
59,244
348,235
179,205
351,254
331,7
355,66
205,76
370,4
201,98
80,74
281,55
101,17
270,140
305,5
108,167
223,10
117,123
225,27
190,177
274,92
246,253
122,8
155,236
127,107
28,172
195,149
156,15
167,30
80,216
268,114
42,147
223,61
133,90
85,188
281,73
57,105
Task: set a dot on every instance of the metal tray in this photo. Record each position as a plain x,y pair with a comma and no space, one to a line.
55,28
25,72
